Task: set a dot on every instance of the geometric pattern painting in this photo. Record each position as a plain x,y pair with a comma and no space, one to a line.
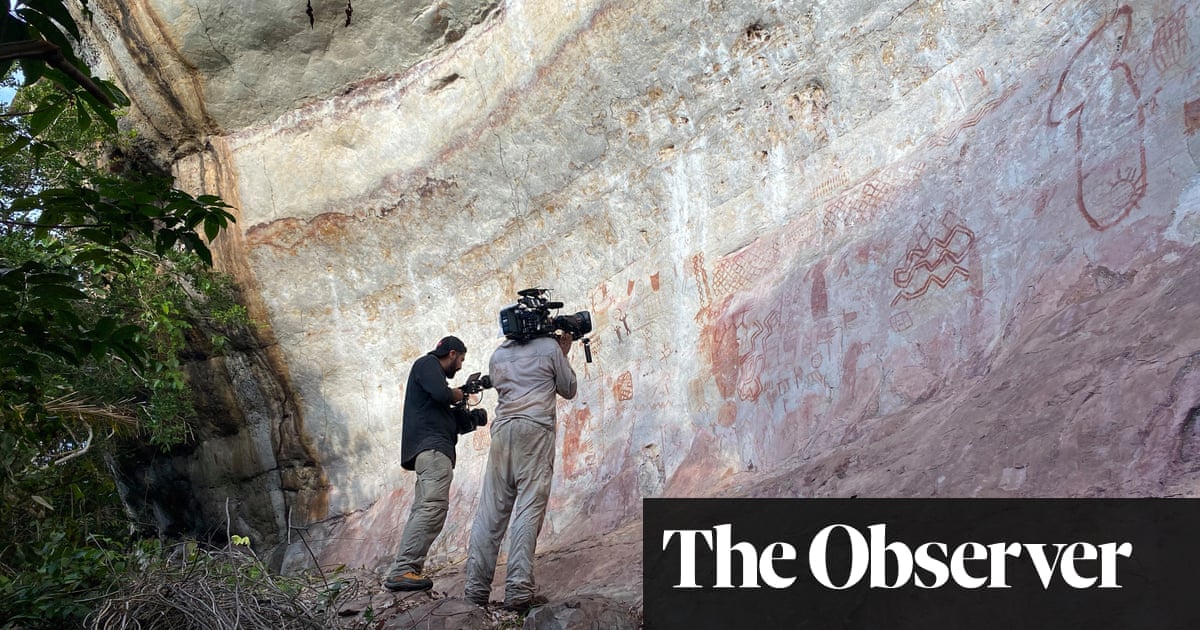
934,260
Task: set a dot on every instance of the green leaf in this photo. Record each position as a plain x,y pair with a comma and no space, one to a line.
97,236
32,70
95,256
58,12
82,119
212,228
49,278
45,27
57,292
101,110
47,112
12,148
70,319
105,327
52,216
197,246
164,241
114,93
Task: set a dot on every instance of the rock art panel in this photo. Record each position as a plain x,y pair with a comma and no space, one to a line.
732,189
934,259
1098,100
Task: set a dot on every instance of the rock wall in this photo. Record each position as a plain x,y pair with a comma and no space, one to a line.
884,248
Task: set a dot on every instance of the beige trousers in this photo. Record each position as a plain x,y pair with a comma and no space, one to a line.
516,489
431,501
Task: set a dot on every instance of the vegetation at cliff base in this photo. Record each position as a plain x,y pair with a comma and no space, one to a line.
104,273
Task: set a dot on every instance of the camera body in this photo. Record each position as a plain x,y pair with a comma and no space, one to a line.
476,383
530,317
467,420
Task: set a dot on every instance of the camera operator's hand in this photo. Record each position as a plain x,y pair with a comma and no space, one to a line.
456,395
564,342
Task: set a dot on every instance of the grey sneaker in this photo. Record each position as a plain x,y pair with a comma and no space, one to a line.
524,605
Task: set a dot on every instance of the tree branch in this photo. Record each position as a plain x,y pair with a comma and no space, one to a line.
51,54
87,444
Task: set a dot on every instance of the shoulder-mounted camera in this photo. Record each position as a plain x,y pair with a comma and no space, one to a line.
531,317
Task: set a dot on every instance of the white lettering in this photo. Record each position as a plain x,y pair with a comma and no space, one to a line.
932,565
687,553
1108,562
958,564
766,565
879,553
724,551
1078,551
999,553
938,568
817,560
1037,553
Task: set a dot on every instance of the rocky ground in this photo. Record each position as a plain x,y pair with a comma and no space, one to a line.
432,610
380,609
591,584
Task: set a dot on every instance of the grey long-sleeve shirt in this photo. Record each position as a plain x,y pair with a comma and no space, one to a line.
527,376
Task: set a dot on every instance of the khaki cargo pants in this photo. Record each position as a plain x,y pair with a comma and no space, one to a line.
431,501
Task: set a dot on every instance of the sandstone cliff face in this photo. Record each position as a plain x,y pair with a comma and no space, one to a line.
831,248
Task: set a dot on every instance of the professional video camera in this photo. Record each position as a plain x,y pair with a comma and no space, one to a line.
530,317
466,419
476,383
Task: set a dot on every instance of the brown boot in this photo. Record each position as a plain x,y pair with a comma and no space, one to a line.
408,582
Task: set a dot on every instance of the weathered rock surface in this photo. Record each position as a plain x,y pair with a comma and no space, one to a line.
831,248
430,611
442,614
581,613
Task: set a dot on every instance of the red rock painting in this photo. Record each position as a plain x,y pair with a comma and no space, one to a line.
974,118
1170,41
1099,101
1191,116
698,270
820,292
742,268
934,260
575,452
623,388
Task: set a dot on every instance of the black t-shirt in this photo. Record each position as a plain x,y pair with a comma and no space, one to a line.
428,423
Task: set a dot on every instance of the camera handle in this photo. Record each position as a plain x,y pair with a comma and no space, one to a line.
587,349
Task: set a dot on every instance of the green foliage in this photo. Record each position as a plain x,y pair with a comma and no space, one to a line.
99,271
62,584
104,279
36,39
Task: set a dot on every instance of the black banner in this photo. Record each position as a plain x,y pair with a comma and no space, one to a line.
921,563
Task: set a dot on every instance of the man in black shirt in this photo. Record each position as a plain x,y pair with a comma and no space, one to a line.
427,442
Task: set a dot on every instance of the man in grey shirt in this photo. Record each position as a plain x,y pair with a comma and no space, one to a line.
527,375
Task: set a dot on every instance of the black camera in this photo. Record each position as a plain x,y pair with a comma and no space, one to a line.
476,383
530,317
467,420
